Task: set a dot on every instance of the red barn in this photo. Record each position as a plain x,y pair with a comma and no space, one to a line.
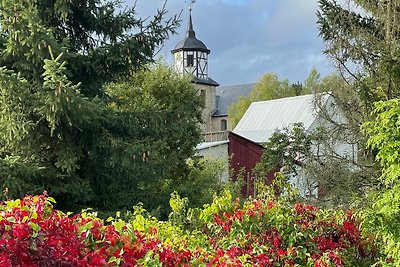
263,118
244,154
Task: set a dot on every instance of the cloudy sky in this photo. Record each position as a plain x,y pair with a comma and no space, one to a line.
249,38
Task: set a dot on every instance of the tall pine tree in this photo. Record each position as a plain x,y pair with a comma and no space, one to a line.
59,130
363,39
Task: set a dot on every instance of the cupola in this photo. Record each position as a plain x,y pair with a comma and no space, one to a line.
191,55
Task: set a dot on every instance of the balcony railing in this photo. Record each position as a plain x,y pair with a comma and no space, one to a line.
215,136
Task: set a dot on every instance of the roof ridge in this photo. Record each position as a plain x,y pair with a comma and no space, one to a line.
237,84
289,98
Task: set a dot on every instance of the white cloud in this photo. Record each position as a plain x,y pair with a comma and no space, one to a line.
248,38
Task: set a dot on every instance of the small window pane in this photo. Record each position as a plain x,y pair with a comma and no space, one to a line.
190,61
224,125
203,97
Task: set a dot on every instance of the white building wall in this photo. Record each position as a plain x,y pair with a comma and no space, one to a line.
216,151
341,144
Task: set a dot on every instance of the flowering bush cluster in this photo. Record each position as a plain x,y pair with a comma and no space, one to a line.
226,233
275,233
34,234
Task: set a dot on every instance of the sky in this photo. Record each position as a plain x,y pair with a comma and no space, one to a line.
249,38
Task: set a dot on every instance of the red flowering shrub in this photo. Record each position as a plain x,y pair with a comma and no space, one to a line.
274,233
34,234
257,233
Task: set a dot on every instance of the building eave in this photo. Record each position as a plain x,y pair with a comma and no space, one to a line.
207,81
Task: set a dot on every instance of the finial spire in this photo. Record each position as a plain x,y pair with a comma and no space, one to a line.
191,5
190,32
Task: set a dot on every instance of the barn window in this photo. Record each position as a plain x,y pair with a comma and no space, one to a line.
224,125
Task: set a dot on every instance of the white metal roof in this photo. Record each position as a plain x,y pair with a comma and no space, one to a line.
263,118
206,145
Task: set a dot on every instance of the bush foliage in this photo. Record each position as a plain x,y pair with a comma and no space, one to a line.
258,232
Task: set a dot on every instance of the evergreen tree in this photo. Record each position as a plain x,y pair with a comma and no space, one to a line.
365,43
58,130
362,38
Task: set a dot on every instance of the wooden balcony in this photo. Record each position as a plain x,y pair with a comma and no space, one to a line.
215,136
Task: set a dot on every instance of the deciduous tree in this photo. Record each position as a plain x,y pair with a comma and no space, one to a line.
382,215
340,176
268,87
158,115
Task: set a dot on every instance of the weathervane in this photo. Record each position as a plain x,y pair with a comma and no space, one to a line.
191,2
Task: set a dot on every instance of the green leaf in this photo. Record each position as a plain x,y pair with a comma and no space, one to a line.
51,200
119,225
35,227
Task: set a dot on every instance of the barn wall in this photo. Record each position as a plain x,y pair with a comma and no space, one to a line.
244,155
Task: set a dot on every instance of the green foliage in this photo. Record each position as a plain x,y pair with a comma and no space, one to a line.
384,138
362,39
364,43
258,232
314,159
286,148
382,217
202,181
199,182
58,130
156,118
312,83
179,207
268,87
159,114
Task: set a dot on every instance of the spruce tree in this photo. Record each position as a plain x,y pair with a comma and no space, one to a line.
363,39
58,129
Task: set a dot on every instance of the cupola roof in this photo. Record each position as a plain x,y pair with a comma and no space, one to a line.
190,42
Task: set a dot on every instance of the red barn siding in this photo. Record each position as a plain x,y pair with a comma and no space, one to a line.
244,155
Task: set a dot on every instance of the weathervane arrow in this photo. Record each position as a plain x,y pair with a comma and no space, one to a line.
191,2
